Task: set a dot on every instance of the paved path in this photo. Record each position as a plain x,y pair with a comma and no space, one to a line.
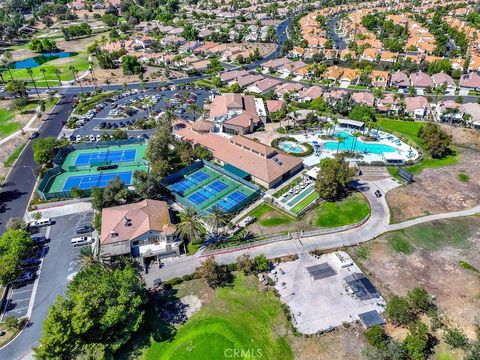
377,224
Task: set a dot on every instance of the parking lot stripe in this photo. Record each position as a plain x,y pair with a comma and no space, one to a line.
19,292
39,272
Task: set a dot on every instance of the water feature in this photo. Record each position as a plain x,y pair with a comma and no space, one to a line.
36,61
291,147
360,146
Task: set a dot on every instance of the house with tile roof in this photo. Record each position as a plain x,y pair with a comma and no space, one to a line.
144,230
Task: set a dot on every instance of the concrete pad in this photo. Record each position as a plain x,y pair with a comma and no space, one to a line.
323,304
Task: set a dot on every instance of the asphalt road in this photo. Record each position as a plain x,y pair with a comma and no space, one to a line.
60,263
20,182
339,42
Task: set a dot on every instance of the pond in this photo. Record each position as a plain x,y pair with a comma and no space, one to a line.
36,61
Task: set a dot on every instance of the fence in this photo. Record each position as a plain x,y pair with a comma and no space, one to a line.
284,237
50,175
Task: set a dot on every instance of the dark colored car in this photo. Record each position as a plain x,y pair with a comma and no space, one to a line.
84,229
34,135
378,194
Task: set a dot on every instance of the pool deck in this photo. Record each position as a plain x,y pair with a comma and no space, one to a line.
386,139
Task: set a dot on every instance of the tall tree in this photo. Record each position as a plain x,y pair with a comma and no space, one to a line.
190,226
217,218
101,306
334,178
30,72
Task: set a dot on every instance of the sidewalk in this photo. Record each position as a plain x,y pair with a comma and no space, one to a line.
61,209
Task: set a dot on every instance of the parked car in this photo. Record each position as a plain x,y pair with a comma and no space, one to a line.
42,222
24,277
39,239
34,135
378,194
31,261
82,240
84,229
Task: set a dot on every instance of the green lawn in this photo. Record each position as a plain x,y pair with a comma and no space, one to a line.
79,61
431,236
269,216
408,130
7,126
347,211
239,317
305,202
11,159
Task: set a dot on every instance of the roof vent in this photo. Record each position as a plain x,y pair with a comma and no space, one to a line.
113,234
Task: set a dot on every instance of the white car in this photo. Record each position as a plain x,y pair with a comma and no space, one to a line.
82,240
92,138
98,137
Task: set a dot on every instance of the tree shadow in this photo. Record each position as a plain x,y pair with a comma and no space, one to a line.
9,196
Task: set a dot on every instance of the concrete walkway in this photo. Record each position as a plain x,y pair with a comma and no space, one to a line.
377,224
60,209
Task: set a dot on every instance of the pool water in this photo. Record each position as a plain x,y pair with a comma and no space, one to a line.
291,147
360,146
36,61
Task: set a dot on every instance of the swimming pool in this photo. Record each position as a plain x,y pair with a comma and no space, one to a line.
291,147
360,146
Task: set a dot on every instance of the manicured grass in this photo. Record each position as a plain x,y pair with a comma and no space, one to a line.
11,159
240,317
431,236
467,266
409,130
79,61
7,126
344,212
285,189
305,202
268,216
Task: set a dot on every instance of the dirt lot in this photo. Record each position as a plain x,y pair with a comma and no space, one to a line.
340,344
428,256
115,76
440,190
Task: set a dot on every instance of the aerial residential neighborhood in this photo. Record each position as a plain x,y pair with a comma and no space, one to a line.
240,179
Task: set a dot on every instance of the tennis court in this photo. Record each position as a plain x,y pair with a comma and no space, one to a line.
206,188
81,169
111,157
90,181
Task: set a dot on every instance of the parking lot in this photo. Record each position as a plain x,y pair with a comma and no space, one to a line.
326,291
57,262
134,111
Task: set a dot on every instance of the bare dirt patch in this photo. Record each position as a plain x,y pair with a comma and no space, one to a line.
340,344
115,76
442,189
456,290
7,148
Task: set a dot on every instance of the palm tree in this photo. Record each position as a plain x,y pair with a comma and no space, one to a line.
6,60
193,110
43,71
217,219
190,226
57,74
356,134
92,74
87,256
335,123
30,72
340,140
74,71
327,127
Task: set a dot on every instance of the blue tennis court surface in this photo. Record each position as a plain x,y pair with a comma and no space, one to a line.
216,187
116,156
87,182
